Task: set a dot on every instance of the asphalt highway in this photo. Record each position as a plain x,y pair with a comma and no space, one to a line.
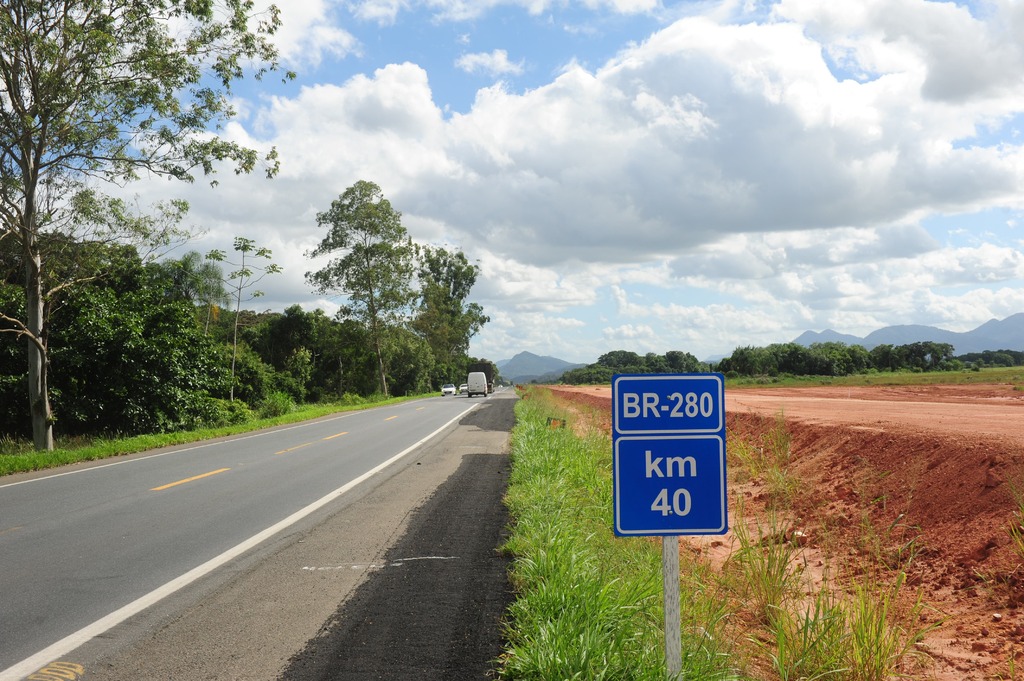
225,560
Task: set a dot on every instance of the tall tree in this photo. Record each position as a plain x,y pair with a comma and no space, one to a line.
290,344
375,266
108,90
241,280
682,362
622,361
444,319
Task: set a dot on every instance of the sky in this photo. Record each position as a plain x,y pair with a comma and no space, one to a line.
648,175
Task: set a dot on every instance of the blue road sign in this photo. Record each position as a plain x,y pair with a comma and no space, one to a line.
668,466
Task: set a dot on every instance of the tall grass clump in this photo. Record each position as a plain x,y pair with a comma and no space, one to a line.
706,612
276,404
809,644
866,636
767,461
1016,532
763,571
588,605
882,639
895,547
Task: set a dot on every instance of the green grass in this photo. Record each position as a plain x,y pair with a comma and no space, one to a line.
589,604
1015,528
19,457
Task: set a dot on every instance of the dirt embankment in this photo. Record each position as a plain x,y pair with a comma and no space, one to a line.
937,468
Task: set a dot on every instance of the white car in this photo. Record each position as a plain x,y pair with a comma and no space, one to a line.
447,389
463,388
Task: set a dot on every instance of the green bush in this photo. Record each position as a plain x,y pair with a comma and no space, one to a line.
216,413
352,400
276,404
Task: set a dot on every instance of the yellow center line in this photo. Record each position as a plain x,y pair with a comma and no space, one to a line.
292,449
182,482
390,418
331,437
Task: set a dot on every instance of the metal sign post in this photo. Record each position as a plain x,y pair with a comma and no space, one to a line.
668,470
670,587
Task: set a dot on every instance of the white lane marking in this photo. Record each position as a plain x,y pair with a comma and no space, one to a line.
69,643
398,562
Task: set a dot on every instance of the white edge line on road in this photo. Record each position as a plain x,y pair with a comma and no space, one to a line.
230,438
69,643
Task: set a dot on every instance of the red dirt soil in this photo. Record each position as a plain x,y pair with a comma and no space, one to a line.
949,458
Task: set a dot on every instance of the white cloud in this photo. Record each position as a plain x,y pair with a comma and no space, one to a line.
713,184
308,34
701,132
543,334
959,56
493,63
630,334
381,11
465,10
379,128
528,288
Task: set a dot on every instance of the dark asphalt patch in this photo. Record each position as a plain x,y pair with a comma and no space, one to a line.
433,609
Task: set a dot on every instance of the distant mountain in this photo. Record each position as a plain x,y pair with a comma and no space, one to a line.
808,338
1006,334
526,367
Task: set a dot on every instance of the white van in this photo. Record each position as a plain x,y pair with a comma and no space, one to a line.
476,384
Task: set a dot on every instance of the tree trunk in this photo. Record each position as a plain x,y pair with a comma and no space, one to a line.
39,399
234,342
375,338
38,359
380,367
375,334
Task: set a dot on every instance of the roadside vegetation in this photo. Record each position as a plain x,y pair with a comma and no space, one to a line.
794,364
1012,375
140,346
589,604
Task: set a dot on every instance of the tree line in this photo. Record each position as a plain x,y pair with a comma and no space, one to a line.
818,359
839,359
145,345
626,362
